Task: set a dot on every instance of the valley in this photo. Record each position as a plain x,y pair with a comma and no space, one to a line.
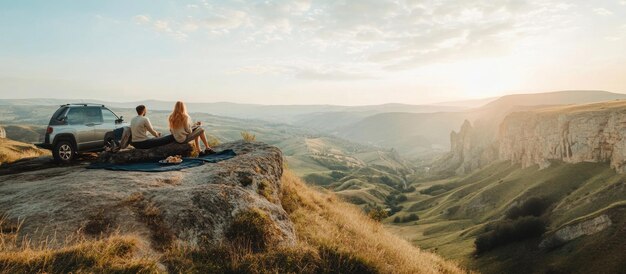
494,187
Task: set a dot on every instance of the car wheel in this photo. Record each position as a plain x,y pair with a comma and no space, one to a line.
64,152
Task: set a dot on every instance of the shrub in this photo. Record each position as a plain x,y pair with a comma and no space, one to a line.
534,206
412,217
409,218
409,189
507,232
377,213
248,137
337,174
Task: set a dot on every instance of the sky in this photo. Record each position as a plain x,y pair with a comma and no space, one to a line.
358,52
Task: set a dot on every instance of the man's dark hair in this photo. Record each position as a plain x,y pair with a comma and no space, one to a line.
140,109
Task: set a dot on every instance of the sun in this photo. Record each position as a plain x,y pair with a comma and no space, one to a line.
487,77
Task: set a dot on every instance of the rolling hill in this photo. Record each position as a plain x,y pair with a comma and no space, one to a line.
455,211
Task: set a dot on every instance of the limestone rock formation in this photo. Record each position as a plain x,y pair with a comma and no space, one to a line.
573,134
194,205
585,133
138,155
469,151
573,231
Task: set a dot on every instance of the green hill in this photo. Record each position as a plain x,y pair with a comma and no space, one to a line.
455,211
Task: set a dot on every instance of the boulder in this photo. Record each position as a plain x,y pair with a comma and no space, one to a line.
133,155
211,203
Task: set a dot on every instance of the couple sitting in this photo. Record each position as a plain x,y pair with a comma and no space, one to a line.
180,128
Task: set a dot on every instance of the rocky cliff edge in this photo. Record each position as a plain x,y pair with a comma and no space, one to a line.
200,204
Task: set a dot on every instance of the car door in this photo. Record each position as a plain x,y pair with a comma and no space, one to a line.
93,120
109,123
77,121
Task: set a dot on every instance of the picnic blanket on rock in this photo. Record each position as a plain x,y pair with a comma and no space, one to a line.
157,167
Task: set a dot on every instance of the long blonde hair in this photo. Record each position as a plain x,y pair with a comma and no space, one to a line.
179,117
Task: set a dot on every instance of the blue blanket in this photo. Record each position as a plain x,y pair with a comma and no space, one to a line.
157,167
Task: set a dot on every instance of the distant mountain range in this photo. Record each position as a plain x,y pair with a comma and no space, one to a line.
414,130
275,113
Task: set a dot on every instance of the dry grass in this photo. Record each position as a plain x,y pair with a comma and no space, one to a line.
333,237
212,140
248,137
115,254
11,151
324,222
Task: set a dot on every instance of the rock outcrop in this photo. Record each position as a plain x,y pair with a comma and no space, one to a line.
468,151
573,231
193,205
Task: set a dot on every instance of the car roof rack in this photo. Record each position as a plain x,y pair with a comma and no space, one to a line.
83,104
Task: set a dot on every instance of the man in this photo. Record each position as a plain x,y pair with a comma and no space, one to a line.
140,126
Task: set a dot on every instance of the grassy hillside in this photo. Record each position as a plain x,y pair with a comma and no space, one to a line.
332,237
11,151
455,211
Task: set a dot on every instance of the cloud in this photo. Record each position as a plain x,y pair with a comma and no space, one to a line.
259,70
602,12
162,26
330,75
390,34
141,19
225,20
220,21
307,70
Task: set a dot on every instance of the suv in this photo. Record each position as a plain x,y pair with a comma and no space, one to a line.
76,128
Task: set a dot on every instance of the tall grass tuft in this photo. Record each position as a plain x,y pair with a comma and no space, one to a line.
247,136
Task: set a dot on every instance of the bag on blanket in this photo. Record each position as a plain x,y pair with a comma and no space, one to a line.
117,139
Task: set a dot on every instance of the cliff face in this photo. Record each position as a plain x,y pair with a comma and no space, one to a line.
592,133
193,205
582,133
470,149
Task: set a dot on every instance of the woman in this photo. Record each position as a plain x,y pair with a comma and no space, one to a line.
183,132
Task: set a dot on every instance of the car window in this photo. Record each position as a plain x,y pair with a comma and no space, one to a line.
59,113
76,116
93,115
108,117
